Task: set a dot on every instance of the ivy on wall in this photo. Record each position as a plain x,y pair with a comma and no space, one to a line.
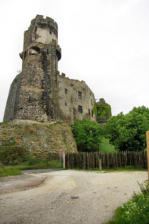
102,110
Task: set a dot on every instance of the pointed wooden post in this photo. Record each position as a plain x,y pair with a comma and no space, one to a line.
147,143
100,164
64,164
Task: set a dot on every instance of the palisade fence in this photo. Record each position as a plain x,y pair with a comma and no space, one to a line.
99,160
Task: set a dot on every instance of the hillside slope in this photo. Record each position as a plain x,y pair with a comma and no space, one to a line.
38,138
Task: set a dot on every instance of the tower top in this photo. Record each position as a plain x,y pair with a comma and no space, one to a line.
45,22
41,33
41,30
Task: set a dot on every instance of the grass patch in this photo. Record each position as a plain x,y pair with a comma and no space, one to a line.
136,211
39,164
121,169
9,171
30,164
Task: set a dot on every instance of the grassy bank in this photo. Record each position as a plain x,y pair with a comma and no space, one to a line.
136,211
9,171
127,168
121,169
28,165
33,163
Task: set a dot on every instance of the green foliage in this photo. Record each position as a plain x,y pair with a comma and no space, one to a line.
105,146
29,164
8,141
8,171
34,163
102,110
124,169
127,132
95,110
136,211
87,134
11,155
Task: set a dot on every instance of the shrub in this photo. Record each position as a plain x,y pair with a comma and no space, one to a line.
136,211
87,135
11,155
105,146
33,161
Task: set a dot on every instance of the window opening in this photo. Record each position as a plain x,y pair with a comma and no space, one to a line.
79,95
80,109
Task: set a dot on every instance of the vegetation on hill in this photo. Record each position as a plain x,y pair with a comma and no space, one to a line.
128,132
87,134
89,137
29,164
9,171
28,145
39,139
120,133
136,211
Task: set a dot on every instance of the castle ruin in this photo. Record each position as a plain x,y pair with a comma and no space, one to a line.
40,92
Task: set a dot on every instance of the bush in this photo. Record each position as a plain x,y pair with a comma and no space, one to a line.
136,211
87,135
105,146
33,161
12,155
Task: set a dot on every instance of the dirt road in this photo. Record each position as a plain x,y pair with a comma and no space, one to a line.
70,197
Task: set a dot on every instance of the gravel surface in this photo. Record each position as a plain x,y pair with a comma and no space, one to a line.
70,197
20,183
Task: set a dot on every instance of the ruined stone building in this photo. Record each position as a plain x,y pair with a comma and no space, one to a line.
40,92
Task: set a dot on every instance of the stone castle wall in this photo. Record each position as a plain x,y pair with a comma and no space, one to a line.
40,93
76,100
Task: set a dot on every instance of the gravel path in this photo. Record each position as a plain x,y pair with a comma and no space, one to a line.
70,197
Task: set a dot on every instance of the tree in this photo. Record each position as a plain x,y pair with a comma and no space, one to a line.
87,134
127,132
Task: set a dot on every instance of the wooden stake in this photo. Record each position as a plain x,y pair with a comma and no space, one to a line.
147,143
100,164
64,165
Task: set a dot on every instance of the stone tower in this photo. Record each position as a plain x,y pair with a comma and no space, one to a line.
39,92
33,94
103,111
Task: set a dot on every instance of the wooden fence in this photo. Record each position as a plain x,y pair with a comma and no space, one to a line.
105,160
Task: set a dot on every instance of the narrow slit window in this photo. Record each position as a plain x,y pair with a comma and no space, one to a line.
79,95
66,91
80,109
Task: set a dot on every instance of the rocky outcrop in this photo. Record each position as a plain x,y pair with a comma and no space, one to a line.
38,138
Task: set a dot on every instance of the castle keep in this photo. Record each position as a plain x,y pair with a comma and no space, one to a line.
40,92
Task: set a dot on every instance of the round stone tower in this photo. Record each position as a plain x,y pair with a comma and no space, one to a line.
33,93
39,92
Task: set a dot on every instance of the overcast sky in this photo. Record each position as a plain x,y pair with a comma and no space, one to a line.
104,42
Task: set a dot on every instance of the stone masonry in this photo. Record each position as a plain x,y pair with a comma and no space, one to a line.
40,92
